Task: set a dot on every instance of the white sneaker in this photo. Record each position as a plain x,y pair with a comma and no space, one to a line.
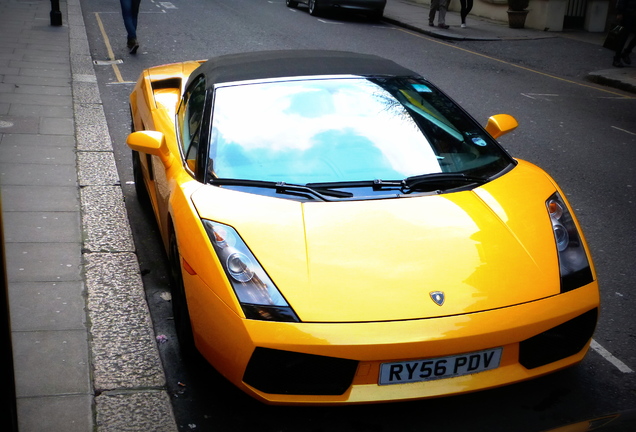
463,25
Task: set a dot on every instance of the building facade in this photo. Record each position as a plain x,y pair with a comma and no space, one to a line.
548,15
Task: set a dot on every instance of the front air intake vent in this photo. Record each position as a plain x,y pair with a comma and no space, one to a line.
285,372
559,342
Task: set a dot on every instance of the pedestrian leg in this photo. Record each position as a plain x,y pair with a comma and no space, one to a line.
466,7
625,55
130,12
441,21
431,14
129,21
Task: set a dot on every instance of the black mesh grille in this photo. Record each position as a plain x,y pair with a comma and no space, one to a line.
559,342
285,372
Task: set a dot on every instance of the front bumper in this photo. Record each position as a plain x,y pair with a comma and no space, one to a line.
356,350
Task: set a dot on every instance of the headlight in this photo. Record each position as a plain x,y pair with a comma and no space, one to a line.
573,263
259,297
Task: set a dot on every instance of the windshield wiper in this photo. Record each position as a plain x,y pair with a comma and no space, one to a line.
322,194
419,183
375,184
441,181
325,191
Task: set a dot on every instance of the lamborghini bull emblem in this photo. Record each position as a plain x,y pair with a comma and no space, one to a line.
438,297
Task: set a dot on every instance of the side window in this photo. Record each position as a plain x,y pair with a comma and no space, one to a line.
190,117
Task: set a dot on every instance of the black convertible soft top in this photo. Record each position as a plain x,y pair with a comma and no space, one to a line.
292,63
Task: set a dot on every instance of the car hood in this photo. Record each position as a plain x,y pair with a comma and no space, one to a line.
381,260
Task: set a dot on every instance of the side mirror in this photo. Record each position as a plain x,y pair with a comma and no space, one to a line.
501,124
151,142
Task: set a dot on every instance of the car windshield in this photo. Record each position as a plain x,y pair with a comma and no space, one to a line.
345,129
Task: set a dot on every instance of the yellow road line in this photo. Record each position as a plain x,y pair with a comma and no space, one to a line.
111,54
514,65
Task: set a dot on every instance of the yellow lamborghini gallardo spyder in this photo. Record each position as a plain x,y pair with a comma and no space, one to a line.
341,231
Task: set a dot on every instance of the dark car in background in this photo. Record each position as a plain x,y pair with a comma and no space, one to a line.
374,9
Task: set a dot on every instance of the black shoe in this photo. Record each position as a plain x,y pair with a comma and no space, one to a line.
626,59
617,63
444,26
133,46
430,23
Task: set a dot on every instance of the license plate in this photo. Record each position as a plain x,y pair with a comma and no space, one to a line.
439,368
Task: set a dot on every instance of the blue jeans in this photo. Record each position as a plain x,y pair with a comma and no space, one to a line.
130,10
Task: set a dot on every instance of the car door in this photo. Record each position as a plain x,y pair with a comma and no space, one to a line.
189,121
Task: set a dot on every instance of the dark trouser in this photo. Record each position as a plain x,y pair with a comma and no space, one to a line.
628,21
442,6
622,49
467,6
130,10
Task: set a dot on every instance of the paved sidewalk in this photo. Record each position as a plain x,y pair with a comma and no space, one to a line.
84,349
85,352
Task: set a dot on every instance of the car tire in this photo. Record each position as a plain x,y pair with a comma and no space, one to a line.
140,187
143,198
376,15
180,309
314,8
291,3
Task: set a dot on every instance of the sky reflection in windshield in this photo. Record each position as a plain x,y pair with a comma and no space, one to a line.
342,129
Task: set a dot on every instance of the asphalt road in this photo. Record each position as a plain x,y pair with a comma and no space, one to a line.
583,134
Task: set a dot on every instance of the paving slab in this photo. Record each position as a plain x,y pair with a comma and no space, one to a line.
8,70
57,126
69,413
46,90
34,110
34,262
41,227
22,79
37,175
48,155
37,99
48,306
17,124
31,139
52,362
39,198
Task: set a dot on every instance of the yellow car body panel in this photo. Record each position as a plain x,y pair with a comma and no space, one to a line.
335,262
379,260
